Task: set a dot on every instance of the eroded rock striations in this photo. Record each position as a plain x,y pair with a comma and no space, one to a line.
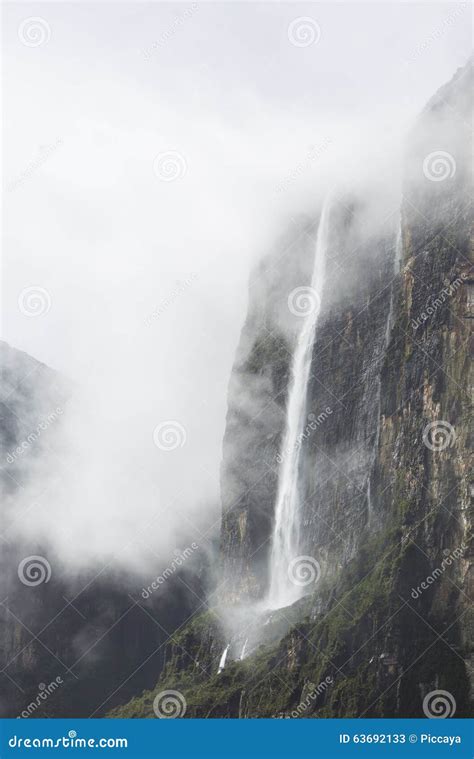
385,466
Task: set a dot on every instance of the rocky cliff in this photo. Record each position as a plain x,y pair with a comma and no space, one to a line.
386,513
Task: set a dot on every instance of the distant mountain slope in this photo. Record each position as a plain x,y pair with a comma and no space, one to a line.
74,645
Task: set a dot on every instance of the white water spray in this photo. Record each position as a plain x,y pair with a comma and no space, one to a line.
223,659
286,530
397,259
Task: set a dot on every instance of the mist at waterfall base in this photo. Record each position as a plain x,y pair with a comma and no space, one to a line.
115,246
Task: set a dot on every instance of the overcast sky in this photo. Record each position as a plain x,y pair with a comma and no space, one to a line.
226,89
142,264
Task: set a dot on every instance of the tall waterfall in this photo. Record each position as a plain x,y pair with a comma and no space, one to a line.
397,259
286,530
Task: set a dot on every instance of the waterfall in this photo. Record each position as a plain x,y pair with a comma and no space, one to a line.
396,268
286,529
369,494
223,659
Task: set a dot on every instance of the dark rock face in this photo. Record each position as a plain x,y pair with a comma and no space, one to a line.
74,645
385,465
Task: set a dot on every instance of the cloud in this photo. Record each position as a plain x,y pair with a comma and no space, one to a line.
174,173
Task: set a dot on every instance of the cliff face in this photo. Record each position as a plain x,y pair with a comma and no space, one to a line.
385,459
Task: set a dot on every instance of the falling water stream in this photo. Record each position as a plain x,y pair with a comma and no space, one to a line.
286,530
223,659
